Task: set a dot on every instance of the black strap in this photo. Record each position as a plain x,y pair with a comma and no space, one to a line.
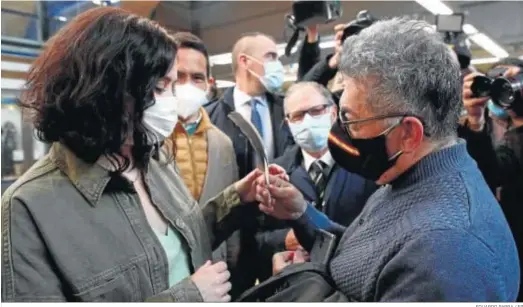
268,287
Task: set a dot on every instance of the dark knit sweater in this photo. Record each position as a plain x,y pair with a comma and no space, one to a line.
435,234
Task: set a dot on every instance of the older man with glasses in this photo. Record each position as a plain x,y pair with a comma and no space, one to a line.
433,231
310,112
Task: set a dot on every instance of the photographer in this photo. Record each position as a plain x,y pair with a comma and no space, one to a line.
500,162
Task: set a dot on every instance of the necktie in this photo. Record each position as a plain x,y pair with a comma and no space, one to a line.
318,175
256,118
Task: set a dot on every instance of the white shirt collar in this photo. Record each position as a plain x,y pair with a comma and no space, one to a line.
241,98
308,159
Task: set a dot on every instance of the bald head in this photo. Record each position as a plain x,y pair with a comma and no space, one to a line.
256,45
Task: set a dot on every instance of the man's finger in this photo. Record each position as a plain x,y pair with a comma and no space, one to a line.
511,72
467,94
265,209
275,169
339,27
281,191
476,102
471,76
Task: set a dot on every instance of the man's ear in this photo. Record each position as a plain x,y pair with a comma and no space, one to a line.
212,81
334,110
412,135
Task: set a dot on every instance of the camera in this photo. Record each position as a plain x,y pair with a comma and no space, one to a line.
363,20
308,13
505,92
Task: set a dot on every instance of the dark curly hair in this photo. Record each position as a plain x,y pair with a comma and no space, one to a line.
93,81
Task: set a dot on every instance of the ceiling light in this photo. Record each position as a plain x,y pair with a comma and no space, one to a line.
484,61
62,18
436,7
101,2
484,41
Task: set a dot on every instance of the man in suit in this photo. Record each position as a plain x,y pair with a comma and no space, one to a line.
310,112
204,155
259,76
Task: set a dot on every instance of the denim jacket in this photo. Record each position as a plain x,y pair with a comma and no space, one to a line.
71,231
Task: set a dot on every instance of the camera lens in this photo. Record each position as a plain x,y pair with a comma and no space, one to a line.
506,91
481,86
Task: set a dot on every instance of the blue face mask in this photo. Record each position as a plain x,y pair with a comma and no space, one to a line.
497,111
313,132
274,75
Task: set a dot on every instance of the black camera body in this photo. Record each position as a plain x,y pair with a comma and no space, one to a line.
506,92
308,13
363,20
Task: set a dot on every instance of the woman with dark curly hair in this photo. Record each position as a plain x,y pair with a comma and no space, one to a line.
105,216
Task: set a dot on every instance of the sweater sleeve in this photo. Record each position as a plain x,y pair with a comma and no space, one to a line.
443,265
309,55
321,72
311,220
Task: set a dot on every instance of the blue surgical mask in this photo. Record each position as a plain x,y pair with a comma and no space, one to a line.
274,75
496,110
312,133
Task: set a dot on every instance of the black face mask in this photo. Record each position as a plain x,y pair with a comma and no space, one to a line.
365,157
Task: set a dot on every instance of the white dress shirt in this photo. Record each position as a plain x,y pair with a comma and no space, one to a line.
308,160
243,106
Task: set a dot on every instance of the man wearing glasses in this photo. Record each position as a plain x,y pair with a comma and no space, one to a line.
433,231
310,112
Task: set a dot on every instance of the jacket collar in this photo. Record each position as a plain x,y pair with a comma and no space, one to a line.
291,159
228,100
89,179
204,125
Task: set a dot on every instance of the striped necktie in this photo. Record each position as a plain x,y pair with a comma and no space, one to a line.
318,173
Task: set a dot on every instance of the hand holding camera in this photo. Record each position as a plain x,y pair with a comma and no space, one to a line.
475,106
503,85
335,59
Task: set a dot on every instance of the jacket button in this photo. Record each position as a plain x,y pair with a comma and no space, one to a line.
360,222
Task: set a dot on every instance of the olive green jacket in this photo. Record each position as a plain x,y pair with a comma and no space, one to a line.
72,231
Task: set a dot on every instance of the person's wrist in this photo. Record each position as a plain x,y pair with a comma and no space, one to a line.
475,123
312,37
333,61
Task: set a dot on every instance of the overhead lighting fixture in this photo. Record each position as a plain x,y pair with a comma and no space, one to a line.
436,7
104,2
61,18
484,41
484,61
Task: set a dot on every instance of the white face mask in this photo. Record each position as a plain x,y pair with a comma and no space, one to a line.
161,118
190,99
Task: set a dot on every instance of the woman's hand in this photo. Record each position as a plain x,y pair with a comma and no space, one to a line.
246,187
280,199
212,280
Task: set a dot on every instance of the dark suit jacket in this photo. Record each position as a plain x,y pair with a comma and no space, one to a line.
345,195
244,274
219,110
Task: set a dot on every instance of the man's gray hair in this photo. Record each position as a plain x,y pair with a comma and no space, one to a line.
405,67
300,86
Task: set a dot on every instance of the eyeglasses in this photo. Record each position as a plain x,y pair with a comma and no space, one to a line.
298,116
356,123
